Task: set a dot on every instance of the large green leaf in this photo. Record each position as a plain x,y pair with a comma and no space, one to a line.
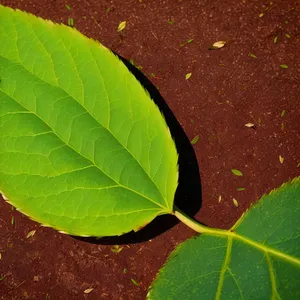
259,258
83,147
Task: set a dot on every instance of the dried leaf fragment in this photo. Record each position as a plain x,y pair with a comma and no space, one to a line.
250,125
237,172
235,203
281,159
121,26
219,199
188,76
116,249
261,15
87,291
30,234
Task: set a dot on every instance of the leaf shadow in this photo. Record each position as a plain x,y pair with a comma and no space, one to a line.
188,194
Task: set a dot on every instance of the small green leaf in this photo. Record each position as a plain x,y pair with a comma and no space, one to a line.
188,76
252,55
131,61
124,271
71,22
275,39
189,41
259,121
195,140
12,220
68,7
134,282
282,113
170,22
240,189
282,126
284,66
237,172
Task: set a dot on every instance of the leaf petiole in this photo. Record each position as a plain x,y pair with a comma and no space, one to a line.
193,224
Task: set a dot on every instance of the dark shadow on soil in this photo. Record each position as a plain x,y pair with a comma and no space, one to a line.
188,194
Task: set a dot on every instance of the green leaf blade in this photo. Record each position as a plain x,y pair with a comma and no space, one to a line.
90,143
258,257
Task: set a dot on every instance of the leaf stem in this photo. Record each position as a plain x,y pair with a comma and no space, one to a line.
193,223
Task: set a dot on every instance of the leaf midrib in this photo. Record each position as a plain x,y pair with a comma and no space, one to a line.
254,244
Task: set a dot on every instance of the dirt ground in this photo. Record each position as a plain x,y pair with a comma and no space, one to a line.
254,78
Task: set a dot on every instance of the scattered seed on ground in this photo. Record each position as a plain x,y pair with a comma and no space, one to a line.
30,234
219,199
281,159
87,291
284,66
121,26
236,204
188,76
275,39
252,55
250,125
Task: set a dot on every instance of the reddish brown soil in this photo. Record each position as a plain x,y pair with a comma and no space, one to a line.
227,89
